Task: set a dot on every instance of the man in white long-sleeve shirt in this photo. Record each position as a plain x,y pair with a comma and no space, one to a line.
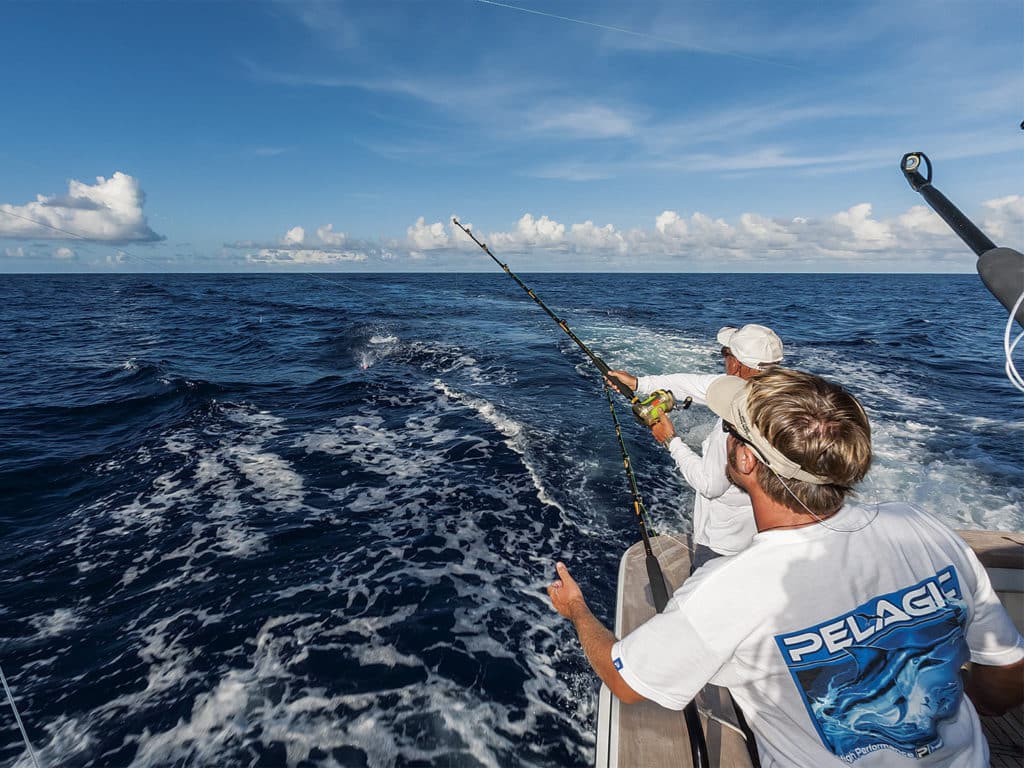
722,519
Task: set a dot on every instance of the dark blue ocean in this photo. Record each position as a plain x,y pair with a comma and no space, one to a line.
307,520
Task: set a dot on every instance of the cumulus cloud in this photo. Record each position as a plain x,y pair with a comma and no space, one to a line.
854,235
294,236
327,235
303,256
589,237
296,248
426,237
670,226
531,232
848,239
63,253
1004,220
108,211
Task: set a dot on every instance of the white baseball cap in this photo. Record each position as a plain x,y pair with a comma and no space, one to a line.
753,345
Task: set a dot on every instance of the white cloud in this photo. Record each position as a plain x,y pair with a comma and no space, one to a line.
589,237
328,236
108,211
303,256
63,253
670,226
531,232
426,237
297,248
857,228
1004,221
765,231
922,220
842,238
913,239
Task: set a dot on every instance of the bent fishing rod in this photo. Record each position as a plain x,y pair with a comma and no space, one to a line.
602,366
647,412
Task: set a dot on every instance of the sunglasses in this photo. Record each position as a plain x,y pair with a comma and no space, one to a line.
731,430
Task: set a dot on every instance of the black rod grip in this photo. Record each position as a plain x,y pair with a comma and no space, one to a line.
659,590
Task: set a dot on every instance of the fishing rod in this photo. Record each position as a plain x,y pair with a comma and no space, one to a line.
1001,269
647,412
602,366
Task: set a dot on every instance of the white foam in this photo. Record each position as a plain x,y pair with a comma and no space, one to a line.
511,429
219,474
57,623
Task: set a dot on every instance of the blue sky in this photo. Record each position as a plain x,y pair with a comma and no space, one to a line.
649,136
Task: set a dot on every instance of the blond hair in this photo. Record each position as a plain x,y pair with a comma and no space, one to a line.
818,425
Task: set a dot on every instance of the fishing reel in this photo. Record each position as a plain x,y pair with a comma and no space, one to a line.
650,409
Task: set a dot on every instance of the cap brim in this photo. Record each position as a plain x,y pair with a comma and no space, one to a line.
722,393
725,335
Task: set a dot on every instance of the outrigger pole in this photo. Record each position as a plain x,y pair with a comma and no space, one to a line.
1001,269
659,586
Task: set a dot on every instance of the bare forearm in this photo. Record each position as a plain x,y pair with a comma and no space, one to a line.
597,641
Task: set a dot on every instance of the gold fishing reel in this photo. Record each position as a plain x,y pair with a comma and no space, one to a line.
655,405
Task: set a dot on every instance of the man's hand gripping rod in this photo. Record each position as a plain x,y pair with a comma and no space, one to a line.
648,410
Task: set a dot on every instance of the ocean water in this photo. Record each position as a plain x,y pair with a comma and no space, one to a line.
308,520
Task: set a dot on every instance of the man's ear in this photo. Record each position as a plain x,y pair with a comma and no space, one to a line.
746,461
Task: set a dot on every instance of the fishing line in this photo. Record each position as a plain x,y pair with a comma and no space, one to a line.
21,727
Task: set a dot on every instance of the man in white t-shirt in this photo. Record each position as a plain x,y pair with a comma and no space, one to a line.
722,519
842,629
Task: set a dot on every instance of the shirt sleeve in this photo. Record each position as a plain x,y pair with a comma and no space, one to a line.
666,660
991,635
669,658
681,385
705,474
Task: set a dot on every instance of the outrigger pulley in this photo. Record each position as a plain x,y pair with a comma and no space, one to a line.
646,411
